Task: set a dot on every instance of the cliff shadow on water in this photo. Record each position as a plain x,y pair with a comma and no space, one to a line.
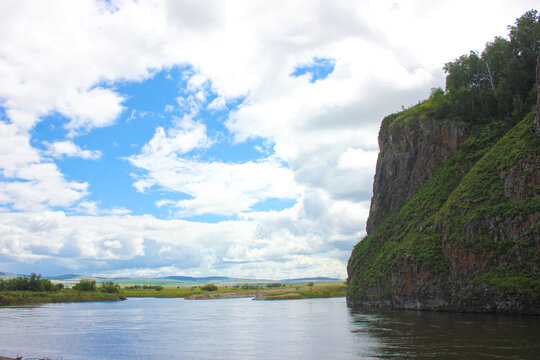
454,218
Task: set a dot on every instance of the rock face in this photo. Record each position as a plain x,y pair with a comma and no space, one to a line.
454,219
537,117
408,156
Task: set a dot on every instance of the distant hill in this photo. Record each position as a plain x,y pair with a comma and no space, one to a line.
69,279
190,278
313,279
6,275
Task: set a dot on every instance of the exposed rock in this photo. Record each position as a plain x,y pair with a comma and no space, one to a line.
476,248
408,156
537,117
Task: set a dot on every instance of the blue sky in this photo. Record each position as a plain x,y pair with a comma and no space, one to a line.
139,142
157,101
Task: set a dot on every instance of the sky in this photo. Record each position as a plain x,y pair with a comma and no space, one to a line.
234,138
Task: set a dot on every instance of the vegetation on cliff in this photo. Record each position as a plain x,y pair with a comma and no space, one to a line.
467,236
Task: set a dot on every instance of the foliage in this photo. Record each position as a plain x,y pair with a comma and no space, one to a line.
500,81
32,283
85,285
63,295
316,291
487,93
109,287
154,287
246,286
464,191
273,285
209,287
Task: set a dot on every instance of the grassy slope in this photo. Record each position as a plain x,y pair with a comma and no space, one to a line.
409,233
481,194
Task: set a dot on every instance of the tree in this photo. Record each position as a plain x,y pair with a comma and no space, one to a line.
499,82
85,285
209,287
109,287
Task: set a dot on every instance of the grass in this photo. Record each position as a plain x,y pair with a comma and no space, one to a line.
308,292
8,298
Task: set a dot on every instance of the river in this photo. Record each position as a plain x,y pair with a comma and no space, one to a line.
149,328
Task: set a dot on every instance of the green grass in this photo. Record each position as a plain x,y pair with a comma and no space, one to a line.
316,291
8,298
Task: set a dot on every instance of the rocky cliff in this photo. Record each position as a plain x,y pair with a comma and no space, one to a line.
410,152
454,220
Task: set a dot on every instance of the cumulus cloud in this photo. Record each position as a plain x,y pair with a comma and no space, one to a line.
187,136
111,244
60,149
215,187
321,136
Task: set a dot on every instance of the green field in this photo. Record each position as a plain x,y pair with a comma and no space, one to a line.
260,292
23,297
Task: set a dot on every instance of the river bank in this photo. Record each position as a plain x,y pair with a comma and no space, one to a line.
299,291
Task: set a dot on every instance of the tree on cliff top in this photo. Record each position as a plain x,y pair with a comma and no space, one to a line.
500,81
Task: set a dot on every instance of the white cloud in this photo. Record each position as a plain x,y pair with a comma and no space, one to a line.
321,136
39,186
53,241
60,149
215,187
357,159
187,136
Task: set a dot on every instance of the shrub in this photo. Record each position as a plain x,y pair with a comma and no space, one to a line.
134,287
32,283
109,287
155,287
85,285
310,283
276,284
209,287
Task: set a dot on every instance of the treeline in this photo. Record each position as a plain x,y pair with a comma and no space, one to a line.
136,287
90,285
33,282
498,82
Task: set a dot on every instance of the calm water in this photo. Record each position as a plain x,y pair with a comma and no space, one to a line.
150,328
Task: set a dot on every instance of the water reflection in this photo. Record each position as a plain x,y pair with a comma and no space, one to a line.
245,329
406,334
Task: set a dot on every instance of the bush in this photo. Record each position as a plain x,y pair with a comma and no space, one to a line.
246,286
109,287
85,285
155,287
134,287
310,283
209,287
32,283
273,285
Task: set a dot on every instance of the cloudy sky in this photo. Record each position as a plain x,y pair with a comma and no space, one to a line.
234,138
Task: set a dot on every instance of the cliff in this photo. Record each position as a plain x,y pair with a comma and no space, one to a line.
454,220
454,223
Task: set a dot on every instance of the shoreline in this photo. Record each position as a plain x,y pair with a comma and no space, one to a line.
18,298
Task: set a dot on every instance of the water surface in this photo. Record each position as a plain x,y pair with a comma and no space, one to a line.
148,328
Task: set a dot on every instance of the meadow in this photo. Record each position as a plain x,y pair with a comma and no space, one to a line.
273,291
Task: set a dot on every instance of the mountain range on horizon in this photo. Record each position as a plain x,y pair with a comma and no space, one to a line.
170,280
